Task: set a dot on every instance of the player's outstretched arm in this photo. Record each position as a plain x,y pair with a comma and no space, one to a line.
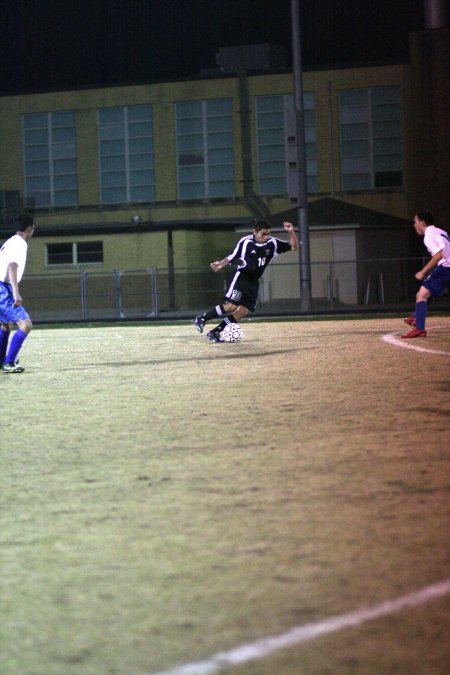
292,236
219,264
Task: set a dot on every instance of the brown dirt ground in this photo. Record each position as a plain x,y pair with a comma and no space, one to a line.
164,499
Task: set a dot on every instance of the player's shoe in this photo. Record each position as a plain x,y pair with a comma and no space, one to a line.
214,336
199,323
415,333
12,368
410,320
16,363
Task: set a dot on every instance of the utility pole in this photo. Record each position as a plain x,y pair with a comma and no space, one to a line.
298,188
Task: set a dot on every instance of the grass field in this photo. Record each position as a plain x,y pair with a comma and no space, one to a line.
164,499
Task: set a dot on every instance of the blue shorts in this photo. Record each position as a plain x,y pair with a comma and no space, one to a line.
7,310
438,280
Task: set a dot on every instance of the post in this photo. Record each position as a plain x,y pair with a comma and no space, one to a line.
302,192
118,293
171,267
83,291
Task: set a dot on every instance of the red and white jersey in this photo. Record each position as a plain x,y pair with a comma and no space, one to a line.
436,240
13,250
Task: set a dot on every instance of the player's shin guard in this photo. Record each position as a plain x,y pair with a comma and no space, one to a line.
213,313
16,343
421,314
227,320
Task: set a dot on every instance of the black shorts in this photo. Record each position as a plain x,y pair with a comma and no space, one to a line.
243,291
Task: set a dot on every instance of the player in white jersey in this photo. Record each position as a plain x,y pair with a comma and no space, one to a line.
435,275
13,257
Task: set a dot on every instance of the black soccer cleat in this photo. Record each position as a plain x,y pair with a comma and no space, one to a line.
214,336
199,323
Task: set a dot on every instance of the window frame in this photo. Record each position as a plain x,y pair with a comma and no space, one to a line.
129,139
287,104
75,254
375,176
206,149
51,146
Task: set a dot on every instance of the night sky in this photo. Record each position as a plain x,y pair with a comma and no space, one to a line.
54,44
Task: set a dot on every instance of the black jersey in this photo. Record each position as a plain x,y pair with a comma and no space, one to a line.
253,257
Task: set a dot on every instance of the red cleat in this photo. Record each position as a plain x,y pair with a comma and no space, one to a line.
411,321
415,333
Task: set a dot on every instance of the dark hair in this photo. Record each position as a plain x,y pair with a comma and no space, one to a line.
261,224
23,222
426,216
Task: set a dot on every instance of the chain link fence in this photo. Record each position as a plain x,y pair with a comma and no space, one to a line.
337,287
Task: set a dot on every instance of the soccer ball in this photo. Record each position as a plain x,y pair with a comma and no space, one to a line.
232,333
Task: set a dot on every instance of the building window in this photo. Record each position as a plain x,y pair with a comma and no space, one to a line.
126,154
370,138
271,137
205,158
75,253
50,154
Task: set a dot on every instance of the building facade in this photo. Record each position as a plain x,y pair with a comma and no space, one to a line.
161,175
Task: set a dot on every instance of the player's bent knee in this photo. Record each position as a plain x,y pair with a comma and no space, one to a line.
240,314
422,295
25,325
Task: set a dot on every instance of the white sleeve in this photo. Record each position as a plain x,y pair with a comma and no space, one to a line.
433,240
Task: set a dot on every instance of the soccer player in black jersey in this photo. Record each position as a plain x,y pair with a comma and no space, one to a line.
253,253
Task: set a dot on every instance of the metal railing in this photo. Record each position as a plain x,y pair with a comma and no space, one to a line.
85,296
337,286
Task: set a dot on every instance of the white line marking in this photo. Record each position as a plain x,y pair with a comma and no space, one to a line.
310,631
394,339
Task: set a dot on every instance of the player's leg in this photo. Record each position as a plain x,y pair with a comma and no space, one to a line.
231,301
24,327
9,314
5,331
420,314
221,309
246,291
229,309
240,313
228,306
249,295
422,307
435,284
240,299
411,320
214,313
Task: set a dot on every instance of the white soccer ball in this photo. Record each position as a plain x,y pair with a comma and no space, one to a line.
232,333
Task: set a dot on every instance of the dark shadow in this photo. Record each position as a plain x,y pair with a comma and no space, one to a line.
155,362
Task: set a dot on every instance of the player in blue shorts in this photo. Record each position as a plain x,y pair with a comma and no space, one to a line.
253,253
13,257
435,275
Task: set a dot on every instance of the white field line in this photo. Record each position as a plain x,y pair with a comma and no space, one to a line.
309,631
394,339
